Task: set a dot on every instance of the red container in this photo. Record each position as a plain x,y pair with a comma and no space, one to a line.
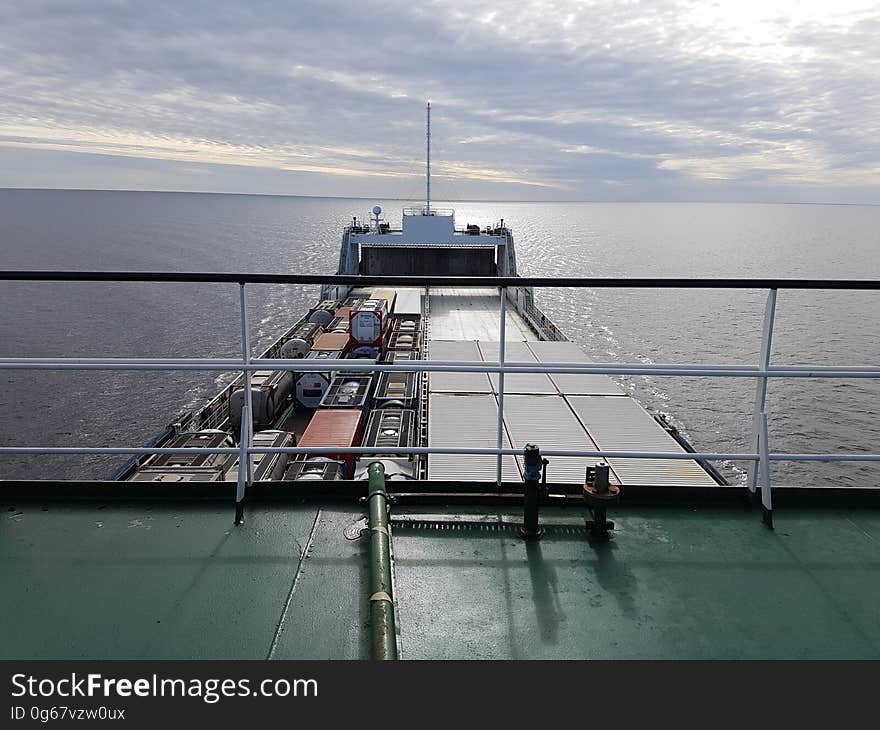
332,341
340,427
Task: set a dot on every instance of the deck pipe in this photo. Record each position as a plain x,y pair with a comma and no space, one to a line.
383,633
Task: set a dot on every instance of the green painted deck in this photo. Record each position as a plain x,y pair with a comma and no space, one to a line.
151,580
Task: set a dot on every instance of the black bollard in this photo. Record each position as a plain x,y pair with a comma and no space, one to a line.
533,464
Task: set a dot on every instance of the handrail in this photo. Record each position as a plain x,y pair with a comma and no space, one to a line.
759,456
456,281
453,450
707,370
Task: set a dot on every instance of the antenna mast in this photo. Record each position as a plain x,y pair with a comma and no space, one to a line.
428,190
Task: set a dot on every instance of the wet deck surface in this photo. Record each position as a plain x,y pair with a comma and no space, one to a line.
151,580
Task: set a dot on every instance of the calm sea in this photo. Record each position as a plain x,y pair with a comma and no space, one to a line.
196,232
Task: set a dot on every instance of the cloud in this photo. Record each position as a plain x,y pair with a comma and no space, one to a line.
546,99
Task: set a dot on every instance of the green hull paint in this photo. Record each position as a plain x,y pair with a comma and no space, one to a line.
178,581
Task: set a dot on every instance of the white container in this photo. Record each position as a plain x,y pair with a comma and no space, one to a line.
310,387
323,313
368,322
270,394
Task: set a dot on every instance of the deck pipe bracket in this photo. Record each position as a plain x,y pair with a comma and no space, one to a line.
535,478
598,493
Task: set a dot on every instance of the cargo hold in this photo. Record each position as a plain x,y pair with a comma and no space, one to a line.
622,424
460,350
466,421
572,383
525,383
547,422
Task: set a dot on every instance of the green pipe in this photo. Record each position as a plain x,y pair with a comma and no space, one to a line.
383,634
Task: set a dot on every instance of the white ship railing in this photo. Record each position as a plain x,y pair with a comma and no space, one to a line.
759,454
424,210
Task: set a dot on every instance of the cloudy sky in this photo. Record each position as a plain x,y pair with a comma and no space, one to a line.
563,99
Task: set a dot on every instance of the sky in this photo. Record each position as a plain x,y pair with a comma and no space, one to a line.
775,101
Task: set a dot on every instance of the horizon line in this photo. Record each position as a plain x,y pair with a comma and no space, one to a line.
444,200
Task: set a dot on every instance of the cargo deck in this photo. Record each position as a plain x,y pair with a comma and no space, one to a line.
559,410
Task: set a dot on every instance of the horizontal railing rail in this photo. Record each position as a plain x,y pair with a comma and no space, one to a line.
708,370
453,450
456,281
759,456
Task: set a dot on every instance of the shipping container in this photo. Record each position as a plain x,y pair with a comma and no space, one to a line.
310,387
404,341
323,312
340,324
265,467
348,390
365,352
389,295
315,468
271,392
298,343
207,439
392,428
344,312
405,323
369,321
408,302
573,383
338,341
466,351
400,389
397,468
469,421
177,475
393,356
331,427
353,301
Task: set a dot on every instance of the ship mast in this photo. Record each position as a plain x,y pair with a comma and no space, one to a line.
428,145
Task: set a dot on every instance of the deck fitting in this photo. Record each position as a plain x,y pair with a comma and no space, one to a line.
533,472
598,492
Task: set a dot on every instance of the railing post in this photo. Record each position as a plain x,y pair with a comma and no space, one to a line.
502,346
761,387
245,467
764,451
243,457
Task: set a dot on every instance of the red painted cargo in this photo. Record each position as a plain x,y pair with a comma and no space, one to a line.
340,427
344,312
337,341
